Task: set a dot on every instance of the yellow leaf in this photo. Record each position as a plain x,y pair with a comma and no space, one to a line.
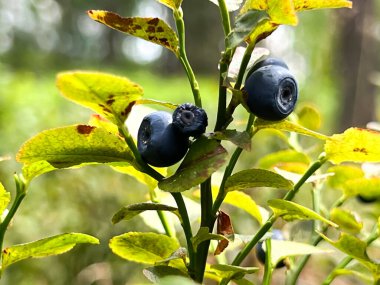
300,5
355,144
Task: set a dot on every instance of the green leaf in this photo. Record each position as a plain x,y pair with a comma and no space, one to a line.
156,102
288,126
128,212
203,234
45,247
154,30
204,158
170,280
355,248
172,4
5,198
108,95
309,117
282,158
346,220
291,211
155,273
250,178
343,173
70,146
362,275
301,5
229,272
240,139
244,26
147,248
355,144
282,249
101,122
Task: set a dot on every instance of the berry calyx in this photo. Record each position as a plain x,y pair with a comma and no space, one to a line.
190,120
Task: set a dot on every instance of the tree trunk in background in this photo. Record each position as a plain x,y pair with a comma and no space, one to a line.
356,56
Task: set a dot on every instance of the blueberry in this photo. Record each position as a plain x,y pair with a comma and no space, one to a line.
260,252
272,92
366,200
190,119
265,62
159,143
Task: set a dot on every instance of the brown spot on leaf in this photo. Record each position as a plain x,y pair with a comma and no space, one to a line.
110,101
85,129
128,109
160,30
90,12
362,150
153,22
151,29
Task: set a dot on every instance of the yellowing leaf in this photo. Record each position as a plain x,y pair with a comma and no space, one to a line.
357,145
5,198
153,30
346,220
172,4
300,5
342,174
309,117
366,187
108,95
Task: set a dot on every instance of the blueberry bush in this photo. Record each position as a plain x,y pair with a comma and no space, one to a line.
177,153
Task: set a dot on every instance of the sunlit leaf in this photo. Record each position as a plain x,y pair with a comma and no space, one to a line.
240,139
170,280
365,187
346,220
295,177
250,178
291,211
108,95
156,102
343,173
355,144
362,275
232,5
139,176
204,158
283,248
147,248
172,4
202,235
288,126
355,248
229,272
244,26
156,273
101,122
45,247
283,157
309,117
300,5
70,146
5,198
154,30
130,211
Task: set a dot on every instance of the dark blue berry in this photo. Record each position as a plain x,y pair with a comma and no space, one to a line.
190,119
260,252
272,92
265,62
159,143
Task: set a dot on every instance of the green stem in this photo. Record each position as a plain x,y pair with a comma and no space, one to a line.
316,196
178,17
207,220
345,261
225,17
293,274
268,268
269,223
21,188
163,217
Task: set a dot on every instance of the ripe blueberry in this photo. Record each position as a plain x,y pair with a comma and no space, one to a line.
159,143
265,62
260,252
190,120
272,92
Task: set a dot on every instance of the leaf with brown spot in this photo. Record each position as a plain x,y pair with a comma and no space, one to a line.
68,147
108,95
204,158
355,144
151,29
224,227
301,5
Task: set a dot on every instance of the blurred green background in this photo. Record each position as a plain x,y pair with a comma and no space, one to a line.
333,54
